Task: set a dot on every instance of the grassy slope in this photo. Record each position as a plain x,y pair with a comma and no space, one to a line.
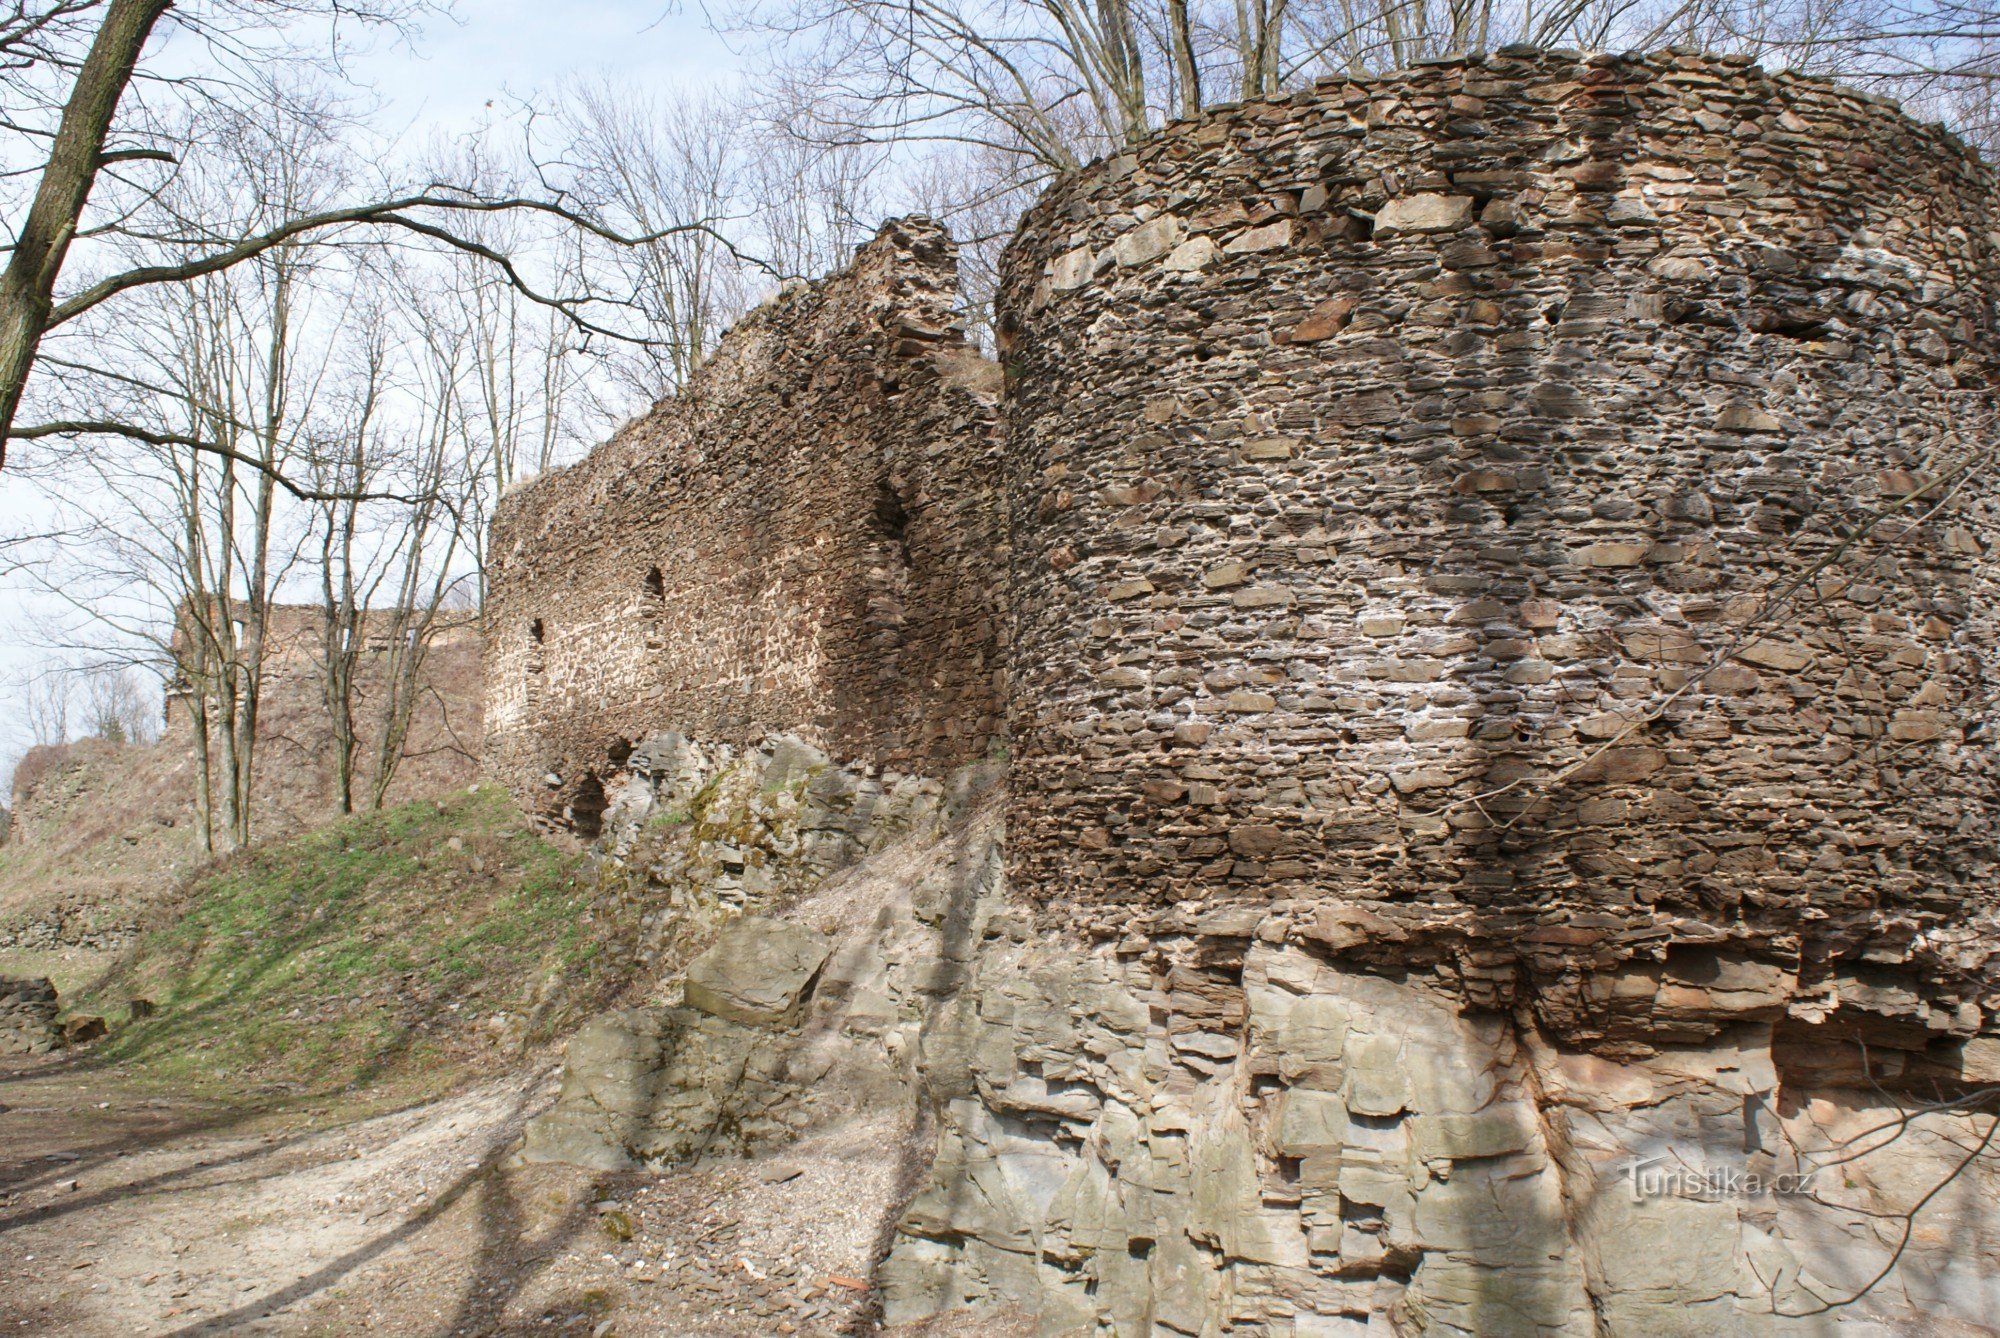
404,949
108,834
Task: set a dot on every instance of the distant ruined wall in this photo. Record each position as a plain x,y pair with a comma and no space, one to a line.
1441,510
293,775
803,541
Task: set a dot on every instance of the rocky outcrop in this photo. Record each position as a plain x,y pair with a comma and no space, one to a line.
1224,1131
757,972
1218,1129
28,1009
807,916
666,1085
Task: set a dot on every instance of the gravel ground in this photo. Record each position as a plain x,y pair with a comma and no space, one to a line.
126,1212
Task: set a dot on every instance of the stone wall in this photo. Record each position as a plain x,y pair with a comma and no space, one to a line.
293,775
804,541
1510,516
1512,521
1498,815
28,1010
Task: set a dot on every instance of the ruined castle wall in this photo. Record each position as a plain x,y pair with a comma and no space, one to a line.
294,780
1515,512
802,541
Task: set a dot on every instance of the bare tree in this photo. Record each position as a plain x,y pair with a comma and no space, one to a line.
121,133
1058,82
222,398
640,161
116,708
980,194
388,566
812,203
345,468
48,695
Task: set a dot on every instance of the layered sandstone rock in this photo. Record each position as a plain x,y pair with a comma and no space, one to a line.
1215,1130
803,989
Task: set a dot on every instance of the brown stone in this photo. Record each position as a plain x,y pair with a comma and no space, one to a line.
1258,840
1623,763
1424,213
1325,321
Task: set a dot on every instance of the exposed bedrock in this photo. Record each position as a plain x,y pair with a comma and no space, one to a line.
1226,1134
1216,1130
1525,502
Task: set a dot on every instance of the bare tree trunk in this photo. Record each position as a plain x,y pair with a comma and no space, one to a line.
204,773
409,647
432,540
341,635
27,288
344,591
1187,74
1125,68
1260,44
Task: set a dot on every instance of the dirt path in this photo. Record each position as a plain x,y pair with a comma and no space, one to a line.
124,1212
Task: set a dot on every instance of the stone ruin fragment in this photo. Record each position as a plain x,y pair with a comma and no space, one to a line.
1439,691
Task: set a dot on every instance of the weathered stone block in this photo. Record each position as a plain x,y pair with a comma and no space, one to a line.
757,972
1424,213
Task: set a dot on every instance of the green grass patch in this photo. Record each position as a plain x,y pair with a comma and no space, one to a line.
408,948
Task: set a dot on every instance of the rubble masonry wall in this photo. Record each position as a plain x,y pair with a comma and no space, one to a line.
1461,494
801,542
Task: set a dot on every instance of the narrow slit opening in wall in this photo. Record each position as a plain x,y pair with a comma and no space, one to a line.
892,518
656,591
586,811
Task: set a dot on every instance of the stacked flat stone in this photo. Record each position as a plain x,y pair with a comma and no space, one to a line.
28,1011
807,540
1518,512
1519,519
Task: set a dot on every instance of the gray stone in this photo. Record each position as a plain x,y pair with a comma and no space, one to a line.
1424,213
757,973
1148,241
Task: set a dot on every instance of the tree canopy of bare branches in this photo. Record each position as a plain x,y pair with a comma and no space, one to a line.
1057,82
114,104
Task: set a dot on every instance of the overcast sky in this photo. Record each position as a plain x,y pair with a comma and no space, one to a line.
495,49
514,46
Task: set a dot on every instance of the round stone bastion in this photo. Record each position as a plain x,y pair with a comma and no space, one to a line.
1533,518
